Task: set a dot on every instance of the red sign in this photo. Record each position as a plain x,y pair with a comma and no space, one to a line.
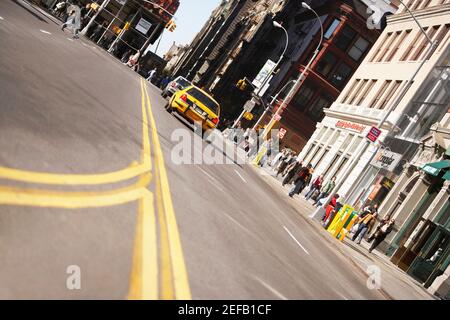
350,126
282,133
373,134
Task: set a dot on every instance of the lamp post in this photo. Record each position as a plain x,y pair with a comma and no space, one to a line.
318,213
266,110
266,79
299,81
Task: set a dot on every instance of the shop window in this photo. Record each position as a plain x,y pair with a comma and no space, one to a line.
332,28
355,144
316,109
341,166
345,38
319,161
358,49
340,75
321,133
326,64
311,148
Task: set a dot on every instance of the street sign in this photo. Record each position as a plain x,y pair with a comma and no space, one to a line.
143,26
282,133
263,74
374,134
387,160
249,105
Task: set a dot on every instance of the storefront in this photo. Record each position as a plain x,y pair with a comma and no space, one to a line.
420,204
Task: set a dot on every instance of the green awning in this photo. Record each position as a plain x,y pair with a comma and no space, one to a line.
447,176
434,168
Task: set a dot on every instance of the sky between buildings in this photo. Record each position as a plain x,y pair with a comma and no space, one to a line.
190,18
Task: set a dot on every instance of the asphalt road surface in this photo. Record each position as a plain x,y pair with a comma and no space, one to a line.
93,204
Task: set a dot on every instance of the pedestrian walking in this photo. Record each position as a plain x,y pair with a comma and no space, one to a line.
291,171
302,178
132,61
286,160
315,186
381,234
326,189
330,208
366,223
74,20
151,75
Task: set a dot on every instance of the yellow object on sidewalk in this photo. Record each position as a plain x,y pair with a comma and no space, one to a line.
262,152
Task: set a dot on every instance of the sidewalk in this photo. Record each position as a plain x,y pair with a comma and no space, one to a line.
395,284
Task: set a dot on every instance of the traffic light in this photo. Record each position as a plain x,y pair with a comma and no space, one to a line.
241,84
171,26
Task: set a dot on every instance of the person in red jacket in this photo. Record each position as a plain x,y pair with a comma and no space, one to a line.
330,207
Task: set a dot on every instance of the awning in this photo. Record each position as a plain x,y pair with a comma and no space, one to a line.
435,168
447,176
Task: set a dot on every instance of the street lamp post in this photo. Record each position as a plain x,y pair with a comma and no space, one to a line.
266,110
266,79
318,213
299,81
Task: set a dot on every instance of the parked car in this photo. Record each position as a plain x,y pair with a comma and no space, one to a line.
179,83
195,105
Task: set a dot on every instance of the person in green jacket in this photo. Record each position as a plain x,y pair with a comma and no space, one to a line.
326,189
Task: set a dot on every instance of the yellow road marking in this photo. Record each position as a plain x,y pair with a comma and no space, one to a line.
180,277
134,170
167,288
73,200
144,274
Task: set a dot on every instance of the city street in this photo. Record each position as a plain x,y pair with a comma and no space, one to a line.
86,180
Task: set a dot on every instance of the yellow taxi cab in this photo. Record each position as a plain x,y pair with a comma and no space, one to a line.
195,105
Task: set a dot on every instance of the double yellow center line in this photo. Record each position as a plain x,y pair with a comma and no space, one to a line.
156,274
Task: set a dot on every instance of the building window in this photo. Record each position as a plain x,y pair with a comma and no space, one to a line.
380,43
332,28
388,46
326,64
319,161
340,75
366,92
316,109
416,5
412,45
351,89
331,165
424,43
442,34
380,93
321,133
358,49
311,148
341,166
398,44
357,91
303,96
345,38
390,94
355,144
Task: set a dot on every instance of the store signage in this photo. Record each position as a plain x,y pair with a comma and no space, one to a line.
263,74
350,126
387,160
373,134
143,26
